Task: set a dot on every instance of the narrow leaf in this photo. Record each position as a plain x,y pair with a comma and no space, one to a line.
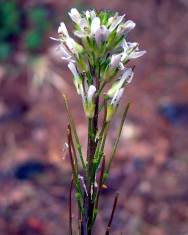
117,139
79,148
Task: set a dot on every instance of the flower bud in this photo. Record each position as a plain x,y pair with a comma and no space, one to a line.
65,53
115,21
73,46
73,69
101,35
95,25
90,14
77,79
90,93
75,15
63,30
131,51
126,78
113,68
126,27
89,105
112,106
115,60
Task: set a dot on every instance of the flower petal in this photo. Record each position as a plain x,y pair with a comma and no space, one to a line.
115,60
127,76
91,92
101,34
90,14
75,15
126,27
95,25
73,69
116,22
63,29
129,25
117,97
136,54
80,34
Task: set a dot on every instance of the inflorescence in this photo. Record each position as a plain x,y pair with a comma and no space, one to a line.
102,52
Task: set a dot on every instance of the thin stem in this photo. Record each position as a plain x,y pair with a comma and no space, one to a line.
70,208
79,221
91,139
71,157
118,137
104,138
112,215
75,173
74,152
100,146
71,120
99,189
101,87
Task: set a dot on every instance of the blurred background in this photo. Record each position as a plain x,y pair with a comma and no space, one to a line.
151,167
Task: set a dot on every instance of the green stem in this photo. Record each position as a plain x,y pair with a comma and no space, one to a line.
118,137
71,120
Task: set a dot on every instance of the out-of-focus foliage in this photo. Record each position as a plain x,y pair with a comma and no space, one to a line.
23,27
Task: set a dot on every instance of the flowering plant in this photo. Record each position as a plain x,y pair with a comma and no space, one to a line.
98,61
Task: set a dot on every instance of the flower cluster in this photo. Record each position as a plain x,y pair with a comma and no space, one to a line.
99,56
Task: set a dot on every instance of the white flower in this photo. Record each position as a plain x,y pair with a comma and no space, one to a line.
115,60
131,51
126,78
73,69
95,25
73,46
75,15
101,34
84,29
91,93
112,106
126,27
63,30
84,25
80,34
136,54
66,55
115,21
55,39
129,25
117,96
77,80
90,14
88,102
